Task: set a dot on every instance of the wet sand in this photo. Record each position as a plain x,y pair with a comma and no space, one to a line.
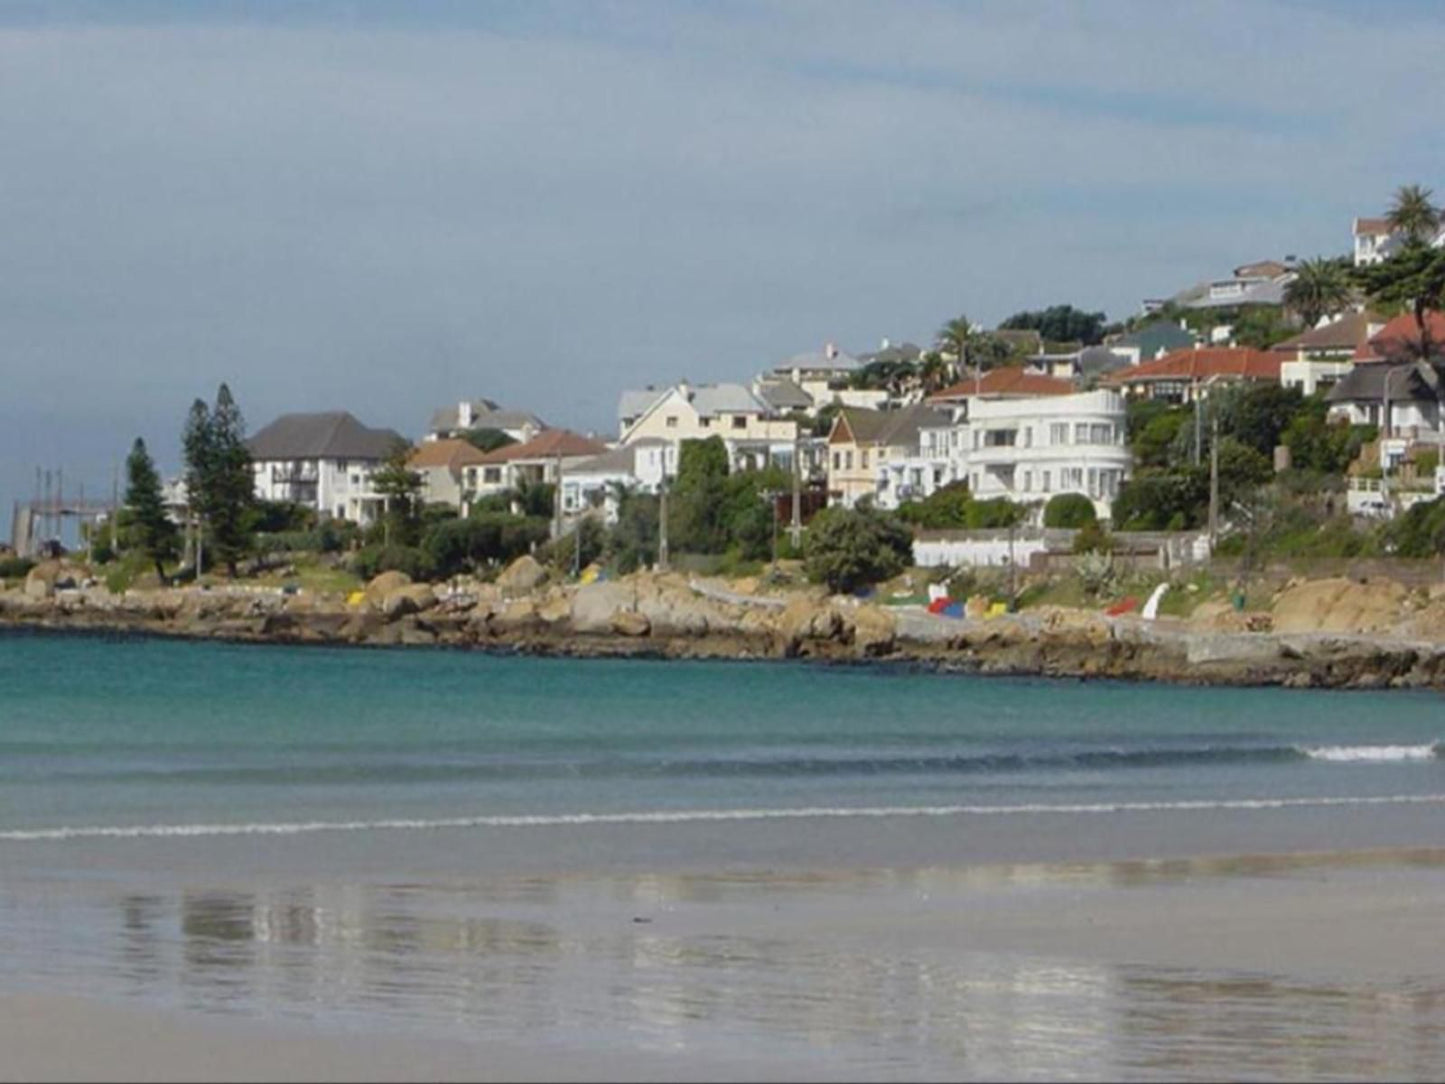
1310,966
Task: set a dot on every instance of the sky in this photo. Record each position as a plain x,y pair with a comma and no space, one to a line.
386,207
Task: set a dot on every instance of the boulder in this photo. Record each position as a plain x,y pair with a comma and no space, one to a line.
803,619
630,623
595,604
674,612
383,585
411,599
874,631
517,616
521,575
40,581
1080,626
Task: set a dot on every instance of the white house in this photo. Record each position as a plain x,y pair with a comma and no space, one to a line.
323,461
594,483
534,462
753,430
451,422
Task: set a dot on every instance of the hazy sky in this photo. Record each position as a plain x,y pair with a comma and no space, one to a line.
384,207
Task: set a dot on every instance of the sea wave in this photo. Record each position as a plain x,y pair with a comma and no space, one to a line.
543,820
1372,754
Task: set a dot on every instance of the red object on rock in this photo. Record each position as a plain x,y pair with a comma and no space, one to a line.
938,605
1125,605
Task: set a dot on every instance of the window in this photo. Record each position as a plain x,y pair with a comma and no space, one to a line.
740,421
848,460
1101,434
672,421
1058,432
1081,432
837,460
1028,481
341,511
1044,482
1093,482
1028,436
863,458
705,422
492,475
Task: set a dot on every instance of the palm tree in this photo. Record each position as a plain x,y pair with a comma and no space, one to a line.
933,372
953,339
1413,214
1321,286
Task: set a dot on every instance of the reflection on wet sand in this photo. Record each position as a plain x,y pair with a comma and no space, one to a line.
662,962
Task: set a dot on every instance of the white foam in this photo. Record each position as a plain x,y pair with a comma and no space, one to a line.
1372,754
697,815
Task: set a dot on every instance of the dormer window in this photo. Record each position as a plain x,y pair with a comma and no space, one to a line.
740,421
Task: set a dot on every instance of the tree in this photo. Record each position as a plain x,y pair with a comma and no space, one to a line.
487,440
1069,510
1060,323
953,340
1413,278
1260,327
697,498
1257,415
849,548
400,490
933,372
151,530
1320,287
1413,214
219,484
232,486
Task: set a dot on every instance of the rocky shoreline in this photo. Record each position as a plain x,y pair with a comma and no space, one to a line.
669,616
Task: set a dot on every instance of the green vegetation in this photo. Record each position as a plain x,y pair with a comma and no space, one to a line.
1321,286
150,531
487,440
218,477
1069,510
1060,323
953,507
849,548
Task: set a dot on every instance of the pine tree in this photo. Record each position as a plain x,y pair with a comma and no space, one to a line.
196,444
231,488
151,530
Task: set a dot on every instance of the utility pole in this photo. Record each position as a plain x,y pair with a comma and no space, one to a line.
795,531
662,522
1213,480
557,496
1198,424
114,504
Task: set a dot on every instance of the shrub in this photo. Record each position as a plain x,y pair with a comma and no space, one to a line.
1093,539
457,545
15,568
1069,510
374,560
852,548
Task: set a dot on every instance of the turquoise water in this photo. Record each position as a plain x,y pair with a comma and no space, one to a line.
150,734
799,865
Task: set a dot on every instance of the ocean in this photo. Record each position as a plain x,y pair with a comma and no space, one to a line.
643,854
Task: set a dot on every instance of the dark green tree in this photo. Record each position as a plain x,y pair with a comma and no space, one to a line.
1319,287
697,514
1413,278
849,548
487,440
196,448
400,489
1060,323
1069,510
230,485
1413,213
150,529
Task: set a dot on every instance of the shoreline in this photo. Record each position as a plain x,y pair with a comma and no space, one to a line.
611,620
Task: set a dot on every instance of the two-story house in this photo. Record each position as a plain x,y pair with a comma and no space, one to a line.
441,464
1182,375
540,460
322,461
1317,358
753,430
861,444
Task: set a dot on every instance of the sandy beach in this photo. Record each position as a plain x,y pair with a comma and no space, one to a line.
1317,966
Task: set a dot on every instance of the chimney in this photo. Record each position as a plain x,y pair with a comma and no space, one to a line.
885,344
830,351
464,414
684,389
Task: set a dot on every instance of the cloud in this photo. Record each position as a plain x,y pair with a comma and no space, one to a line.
385,207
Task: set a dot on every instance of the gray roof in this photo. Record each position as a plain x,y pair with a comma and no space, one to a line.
1151,339
784,395
893,428
709,400
1366,383
485,415
331,435
620,460
634,403
817,360
1262,292
896,352
1100,359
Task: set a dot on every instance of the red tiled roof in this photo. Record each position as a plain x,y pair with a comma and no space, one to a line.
1400,336
1201,364
445,453
1372,226
1010,381
548,444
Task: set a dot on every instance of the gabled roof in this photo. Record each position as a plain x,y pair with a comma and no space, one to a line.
1008,382
1201,363
1151,338
783,395
452,454
330,435
1347,333
1400,336
1366,383
1373,227
1097,360
820,361
888,428
548,444
635,403
485,415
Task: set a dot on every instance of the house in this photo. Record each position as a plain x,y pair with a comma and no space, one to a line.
1252,285
1009,382
441,464
1374,240
451,422
861,442
594,483
1032,449
1396,396
1151,341
533,462
753,430
1399,339
1179,376
323,461
1317,358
